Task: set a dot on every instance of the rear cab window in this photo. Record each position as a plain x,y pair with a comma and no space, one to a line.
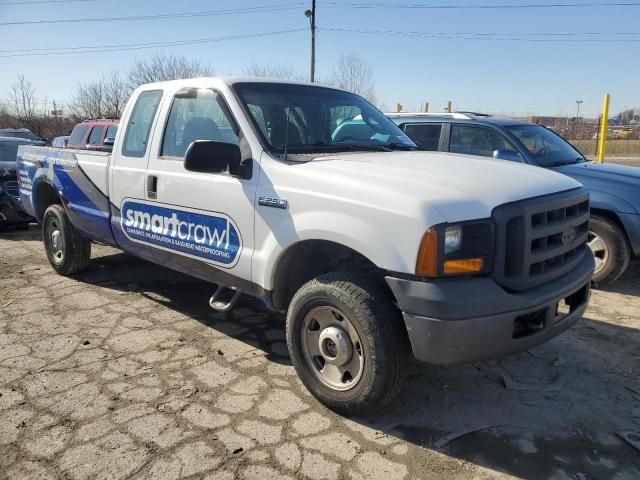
140,122
111,131
77,135
96,135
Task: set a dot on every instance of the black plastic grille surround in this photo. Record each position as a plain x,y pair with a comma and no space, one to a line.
540,239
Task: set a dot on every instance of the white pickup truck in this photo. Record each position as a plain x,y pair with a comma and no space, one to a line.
374,250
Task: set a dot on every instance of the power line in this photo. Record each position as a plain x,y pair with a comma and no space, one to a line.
427,6
37,52
205,13
485,36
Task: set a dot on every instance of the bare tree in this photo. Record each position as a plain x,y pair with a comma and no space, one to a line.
103,98
165,67
282,71
353,73
21,100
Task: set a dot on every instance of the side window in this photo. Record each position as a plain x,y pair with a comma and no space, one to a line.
196,114
477,141
77,135
96,135
111,131
425,135
139,126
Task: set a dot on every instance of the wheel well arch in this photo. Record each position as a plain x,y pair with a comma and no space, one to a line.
307,259
44,195
608,215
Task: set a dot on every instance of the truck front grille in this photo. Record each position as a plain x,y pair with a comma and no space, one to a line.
540,239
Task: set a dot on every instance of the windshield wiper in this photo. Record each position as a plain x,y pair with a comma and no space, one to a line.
560,164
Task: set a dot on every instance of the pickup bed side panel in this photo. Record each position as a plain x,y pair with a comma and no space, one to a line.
78,177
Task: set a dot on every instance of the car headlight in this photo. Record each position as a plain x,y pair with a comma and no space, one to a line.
460,249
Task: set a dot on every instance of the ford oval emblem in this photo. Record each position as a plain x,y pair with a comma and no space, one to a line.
568,236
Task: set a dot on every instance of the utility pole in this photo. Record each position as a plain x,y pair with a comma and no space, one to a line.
311,15
578,102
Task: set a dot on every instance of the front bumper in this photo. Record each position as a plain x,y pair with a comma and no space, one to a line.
460,320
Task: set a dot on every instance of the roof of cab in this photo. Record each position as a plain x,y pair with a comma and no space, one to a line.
229,81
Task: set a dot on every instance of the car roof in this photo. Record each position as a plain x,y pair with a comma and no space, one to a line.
98,121
457,117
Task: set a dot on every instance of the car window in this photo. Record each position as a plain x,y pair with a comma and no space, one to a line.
477,141
77,135
425,135
96,135
546,147
140,121
111,131
196,114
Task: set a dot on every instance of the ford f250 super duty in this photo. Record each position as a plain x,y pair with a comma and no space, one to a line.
373,250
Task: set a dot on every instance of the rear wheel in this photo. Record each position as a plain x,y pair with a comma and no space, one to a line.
67,250
610,248
347,343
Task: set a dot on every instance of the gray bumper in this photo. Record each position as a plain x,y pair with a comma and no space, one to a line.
466,319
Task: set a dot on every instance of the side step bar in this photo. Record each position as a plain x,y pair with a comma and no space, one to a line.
224,298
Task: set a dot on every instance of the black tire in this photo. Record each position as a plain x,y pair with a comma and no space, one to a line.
614,259
76,249
384,345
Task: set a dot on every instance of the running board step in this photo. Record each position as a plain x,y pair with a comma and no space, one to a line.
224,298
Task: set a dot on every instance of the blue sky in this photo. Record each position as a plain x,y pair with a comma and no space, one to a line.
499,76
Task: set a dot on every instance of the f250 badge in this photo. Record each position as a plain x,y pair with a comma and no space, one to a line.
273,202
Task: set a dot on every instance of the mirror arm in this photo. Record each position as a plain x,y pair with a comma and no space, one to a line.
243,170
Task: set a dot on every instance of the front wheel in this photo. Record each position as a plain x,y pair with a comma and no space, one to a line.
67,250
610,248
347,343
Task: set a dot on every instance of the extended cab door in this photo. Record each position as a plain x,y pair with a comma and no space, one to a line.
202,223
127,180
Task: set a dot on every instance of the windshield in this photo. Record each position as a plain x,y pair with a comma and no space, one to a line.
318,120
8,151
547,148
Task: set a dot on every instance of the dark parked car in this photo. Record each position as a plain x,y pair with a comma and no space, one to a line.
93,135
11,212
614,232
19,133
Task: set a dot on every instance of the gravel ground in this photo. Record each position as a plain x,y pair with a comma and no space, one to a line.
124,372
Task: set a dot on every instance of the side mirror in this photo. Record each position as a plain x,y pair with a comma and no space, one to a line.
109,141
207,156
510,155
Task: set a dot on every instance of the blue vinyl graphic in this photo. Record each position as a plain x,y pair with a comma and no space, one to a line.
212,237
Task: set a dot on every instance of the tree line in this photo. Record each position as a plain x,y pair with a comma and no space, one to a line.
106,96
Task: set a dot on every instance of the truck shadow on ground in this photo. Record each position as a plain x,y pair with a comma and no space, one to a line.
557,411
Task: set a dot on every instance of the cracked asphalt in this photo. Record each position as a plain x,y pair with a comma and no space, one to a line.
124,372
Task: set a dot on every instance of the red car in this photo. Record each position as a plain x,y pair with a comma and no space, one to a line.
93,135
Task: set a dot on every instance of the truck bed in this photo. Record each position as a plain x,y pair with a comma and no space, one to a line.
78,177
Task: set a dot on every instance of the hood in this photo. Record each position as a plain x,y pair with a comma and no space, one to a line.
617,186
460,187
587,171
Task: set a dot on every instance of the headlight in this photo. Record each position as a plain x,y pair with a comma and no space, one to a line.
460,249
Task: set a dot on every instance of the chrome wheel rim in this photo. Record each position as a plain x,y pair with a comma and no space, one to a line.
332,348
600,251
57,242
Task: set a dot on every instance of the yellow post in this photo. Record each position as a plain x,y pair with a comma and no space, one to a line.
426,107
449,106
603,129
398,107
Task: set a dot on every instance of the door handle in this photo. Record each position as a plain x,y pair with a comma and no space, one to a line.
152,186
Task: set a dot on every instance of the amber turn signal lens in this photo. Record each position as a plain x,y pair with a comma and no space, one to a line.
462,267
427,264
